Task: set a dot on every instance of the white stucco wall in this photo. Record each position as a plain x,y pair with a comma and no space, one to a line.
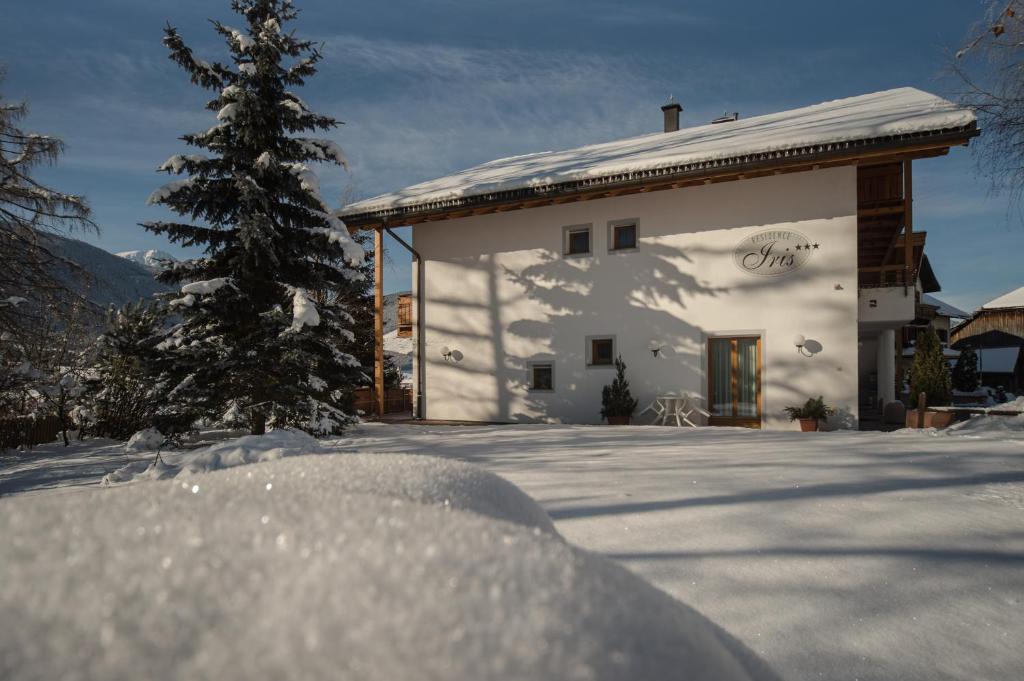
499,294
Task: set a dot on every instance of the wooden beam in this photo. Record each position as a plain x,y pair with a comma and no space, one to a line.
908,215
378,317
882,211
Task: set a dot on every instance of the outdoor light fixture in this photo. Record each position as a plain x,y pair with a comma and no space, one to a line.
799,341
446,353
655,347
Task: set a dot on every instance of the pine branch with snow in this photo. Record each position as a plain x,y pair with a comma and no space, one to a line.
29,212
253,328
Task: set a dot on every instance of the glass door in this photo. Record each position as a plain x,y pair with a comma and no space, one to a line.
734,381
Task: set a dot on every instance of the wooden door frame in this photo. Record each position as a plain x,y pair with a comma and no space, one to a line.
741,421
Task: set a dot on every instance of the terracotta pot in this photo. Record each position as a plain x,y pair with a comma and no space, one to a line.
618,420
808,425
932,418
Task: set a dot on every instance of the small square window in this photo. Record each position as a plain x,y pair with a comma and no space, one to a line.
542,377
602,351
623,237
577,240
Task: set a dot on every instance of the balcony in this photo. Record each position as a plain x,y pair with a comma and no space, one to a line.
885,305
405,315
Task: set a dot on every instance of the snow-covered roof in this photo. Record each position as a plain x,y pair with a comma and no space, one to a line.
399,345
880,116
1011,299
997,360
945,309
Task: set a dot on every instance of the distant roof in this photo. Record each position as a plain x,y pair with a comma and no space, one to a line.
841,124
945,309
1011,299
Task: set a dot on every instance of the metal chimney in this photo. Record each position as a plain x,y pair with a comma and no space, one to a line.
672,111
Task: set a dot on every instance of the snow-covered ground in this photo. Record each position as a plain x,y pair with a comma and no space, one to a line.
833,555
376,567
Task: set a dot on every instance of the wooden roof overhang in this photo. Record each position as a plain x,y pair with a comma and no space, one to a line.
999,327
908,146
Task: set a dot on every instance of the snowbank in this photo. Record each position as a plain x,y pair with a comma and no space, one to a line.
1009,427
1006,427
280,571
276,444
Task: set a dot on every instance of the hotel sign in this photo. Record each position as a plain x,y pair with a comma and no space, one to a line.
773,252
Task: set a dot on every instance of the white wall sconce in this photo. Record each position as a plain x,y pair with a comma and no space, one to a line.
655,347
446,353
800,342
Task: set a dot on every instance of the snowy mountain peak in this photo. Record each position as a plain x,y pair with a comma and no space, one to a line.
153,260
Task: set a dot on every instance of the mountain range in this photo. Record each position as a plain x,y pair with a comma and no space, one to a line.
103,278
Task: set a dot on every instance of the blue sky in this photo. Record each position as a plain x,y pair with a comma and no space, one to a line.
426,88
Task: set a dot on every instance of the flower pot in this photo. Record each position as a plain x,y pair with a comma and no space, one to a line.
808,425
618,420
932,418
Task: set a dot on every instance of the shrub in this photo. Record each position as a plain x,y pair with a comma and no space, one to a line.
930,374
615,398
814,408
965,372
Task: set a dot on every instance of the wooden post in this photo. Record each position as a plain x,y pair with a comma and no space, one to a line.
378,317
908,223
922,399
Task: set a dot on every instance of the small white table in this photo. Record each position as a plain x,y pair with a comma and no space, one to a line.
681,407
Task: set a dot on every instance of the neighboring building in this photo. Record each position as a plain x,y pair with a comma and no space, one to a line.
996,332
398,343
745,261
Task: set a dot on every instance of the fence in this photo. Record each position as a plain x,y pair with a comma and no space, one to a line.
27,431
396,400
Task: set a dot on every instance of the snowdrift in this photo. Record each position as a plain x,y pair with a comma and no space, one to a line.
276,444
345,567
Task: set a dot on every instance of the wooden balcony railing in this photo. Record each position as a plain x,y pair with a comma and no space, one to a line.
885,276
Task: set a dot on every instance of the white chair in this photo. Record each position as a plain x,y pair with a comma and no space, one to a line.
657,407
687,406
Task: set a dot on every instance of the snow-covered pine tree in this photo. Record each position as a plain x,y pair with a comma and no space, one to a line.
965,371
930,373
251,337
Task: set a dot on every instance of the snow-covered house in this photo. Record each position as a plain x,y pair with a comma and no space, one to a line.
742,261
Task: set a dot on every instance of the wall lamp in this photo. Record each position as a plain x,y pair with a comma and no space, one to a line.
800,342
446,353
655,347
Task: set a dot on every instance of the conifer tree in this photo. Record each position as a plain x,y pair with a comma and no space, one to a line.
29,211
252,336
965,371
121,393
930,373
616,400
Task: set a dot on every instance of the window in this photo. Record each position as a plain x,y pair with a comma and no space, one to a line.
542,376
600,351
622,235
577,240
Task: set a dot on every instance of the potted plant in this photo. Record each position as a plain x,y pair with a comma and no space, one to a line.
813,412
617,405
930,375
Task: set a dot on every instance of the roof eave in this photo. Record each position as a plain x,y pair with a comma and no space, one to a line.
788,160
